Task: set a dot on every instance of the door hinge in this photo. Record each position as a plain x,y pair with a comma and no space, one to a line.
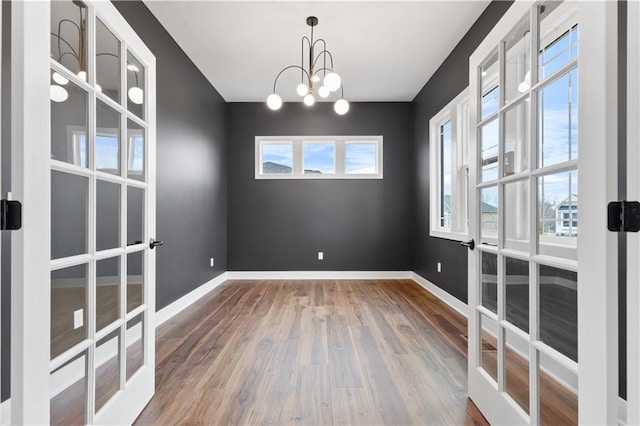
10,215
624,216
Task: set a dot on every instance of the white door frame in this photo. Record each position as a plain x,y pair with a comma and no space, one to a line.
31,246
633,193
597,256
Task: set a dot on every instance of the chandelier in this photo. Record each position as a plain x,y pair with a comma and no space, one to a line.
310,76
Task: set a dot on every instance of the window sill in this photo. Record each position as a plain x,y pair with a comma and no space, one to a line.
449,235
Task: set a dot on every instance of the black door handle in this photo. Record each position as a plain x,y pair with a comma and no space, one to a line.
153,243
470,244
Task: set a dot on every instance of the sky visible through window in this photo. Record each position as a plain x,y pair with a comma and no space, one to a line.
319,157
106,153
361,158
278,153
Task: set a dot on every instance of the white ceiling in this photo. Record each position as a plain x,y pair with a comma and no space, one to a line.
384,51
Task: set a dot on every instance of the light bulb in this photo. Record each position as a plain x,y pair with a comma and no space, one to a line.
324,91
309,100
82,75
133,68
274,101
315,78
526,83
136,95
332,81
58,93
59,78
341,107
302,89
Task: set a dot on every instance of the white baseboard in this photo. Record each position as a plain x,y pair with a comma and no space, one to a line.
188,299
455,303
5,412
318,275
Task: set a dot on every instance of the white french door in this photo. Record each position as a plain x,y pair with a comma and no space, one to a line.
633,194
83,165
542,293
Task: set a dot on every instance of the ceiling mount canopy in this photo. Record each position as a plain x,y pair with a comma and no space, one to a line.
313,74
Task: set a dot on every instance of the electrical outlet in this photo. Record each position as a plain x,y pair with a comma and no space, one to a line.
78,319
212,262
320,255
439,267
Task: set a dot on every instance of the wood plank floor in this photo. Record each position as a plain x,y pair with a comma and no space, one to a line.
313,352
325,352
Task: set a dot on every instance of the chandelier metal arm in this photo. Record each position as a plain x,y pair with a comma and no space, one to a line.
61,39
326,52
286,68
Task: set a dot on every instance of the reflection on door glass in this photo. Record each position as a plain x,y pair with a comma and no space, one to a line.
489,159
319,158
445,175
558,206
517,76
135,86
489,215
558,37
107,368
361,158
516,215
68,123
69,214
135,345
107,215
517,293
490,91
516,139
69,36
69,388
489,281
489,347
107,62
135,280
516,369
559,310
135,215
558,121
558,403
107,147
68,308
135,151
107,291
277,158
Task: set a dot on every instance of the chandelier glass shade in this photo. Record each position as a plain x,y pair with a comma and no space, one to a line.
317,77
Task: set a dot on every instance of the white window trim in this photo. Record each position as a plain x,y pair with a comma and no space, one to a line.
454,112
339,143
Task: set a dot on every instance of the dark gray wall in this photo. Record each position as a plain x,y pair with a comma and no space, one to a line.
447,82
191,164
281,224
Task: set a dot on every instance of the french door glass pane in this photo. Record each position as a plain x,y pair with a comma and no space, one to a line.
558,208
517,293
69,213
516,369
558,37
107,291
489,86
107,368
107,215
69,35
516,139
489,346
489,159
558,121
68,122
135,347
107,62
558,291
68,308
490,281
107,146
135,86
135,280
558,403
135,151
516,215
68,387
319,158
135,215
489,215
517,73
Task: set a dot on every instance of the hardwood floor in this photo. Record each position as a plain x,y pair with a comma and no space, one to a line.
313,352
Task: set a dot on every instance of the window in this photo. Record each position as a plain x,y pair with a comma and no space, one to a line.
318,157
449,136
